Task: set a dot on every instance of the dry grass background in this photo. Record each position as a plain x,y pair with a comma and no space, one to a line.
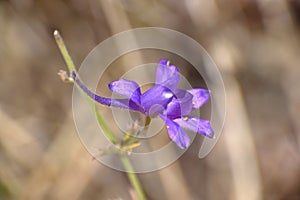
256,46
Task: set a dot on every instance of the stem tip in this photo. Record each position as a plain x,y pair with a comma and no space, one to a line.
55,32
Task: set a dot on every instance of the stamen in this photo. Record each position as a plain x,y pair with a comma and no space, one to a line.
185,118
168,63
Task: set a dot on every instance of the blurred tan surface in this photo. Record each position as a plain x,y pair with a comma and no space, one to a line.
256,45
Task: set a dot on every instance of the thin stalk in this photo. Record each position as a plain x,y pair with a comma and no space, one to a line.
62,47
126,162
133,178
100,119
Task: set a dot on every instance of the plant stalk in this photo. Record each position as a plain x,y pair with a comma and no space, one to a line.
126,162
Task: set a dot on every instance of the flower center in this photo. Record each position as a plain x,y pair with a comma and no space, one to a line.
155,110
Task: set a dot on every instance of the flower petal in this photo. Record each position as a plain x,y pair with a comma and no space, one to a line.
200,97
176,133
120,103
124,103
180,105
126,88
197,125
166,75
156,95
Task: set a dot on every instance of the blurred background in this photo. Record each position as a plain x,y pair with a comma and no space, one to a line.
256,45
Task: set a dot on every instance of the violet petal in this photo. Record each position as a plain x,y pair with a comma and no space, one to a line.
167,76
120,103
156,95
176,133
197,125
200,97
126,88
180,105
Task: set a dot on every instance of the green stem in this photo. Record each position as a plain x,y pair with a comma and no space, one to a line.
126,162
100,119
63,49
133,178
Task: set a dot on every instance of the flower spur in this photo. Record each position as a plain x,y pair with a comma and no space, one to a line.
164,99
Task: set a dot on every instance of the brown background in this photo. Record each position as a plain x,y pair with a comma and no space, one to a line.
256,46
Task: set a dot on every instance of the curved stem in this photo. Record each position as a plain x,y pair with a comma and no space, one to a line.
126,162
120,103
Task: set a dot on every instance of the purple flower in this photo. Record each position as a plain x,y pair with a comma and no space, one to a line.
164,99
